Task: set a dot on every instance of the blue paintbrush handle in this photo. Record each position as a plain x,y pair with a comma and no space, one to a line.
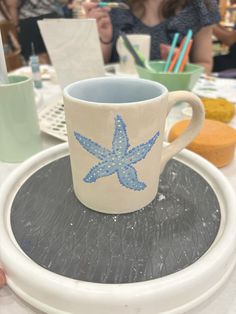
171,52
102,4
182,53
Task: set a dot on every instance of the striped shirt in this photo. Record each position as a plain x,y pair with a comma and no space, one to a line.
32,8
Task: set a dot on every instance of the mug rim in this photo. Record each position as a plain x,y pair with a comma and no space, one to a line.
163,89
24,78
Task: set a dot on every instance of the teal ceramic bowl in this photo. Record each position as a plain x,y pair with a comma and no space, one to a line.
173,81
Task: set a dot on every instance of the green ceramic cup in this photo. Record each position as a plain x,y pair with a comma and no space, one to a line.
19,128
172,81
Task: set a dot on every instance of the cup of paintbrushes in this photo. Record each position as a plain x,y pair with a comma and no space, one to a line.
172,81
175,72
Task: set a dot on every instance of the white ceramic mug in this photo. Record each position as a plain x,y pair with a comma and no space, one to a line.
139,41
115,132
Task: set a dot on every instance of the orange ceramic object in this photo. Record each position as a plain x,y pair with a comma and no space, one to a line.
218,109
215,142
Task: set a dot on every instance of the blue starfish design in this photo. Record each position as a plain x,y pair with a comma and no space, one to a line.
120,159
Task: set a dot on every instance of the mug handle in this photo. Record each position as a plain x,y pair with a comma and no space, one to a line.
194,127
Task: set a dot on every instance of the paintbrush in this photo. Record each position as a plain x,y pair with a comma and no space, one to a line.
171,52
137,55
183,51
113,5
145,61
131,49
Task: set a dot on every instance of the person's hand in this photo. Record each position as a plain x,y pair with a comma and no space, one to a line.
103,20
2,278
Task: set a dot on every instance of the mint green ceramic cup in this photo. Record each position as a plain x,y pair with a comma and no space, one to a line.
19,129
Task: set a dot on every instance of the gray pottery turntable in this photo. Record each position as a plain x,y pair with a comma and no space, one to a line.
59,233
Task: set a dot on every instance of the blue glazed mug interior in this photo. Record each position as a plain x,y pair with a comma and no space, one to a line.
115,90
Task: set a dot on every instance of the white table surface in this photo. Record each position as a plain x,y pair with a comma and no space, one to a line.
223,302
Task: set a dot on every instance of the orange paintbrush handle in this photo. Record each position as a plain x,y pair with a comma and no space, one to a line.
185,59
174,60
176,55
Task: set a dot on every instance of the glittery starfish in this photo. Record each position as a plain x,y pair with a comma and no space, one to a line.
120,159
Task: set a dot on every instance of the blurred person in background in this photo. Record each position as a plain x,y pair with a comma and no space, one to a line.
25,14
4,14
68,9
161,19
11,46
227,37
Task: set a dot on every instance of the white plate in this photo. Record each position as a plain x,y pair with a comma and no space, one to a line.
175,293
47,72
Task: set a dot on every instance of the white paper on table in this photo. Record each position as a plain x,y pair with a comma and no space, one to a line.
216,88
74,48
